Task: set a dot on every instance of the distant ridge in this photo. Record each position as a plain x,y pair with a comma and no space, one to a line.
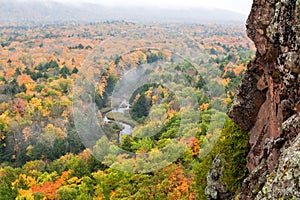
34,11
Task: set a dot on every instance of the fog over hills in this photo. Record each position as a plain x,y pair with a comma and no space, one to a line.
47,11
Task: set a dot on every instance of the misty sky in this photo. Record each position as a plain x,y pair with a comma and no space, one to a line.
241,6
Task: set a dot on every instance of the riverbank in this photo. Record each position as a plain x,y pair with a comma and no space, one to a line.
105,110
121,117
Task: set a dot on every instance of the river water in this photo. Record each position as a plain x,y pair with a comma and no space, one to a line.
123,107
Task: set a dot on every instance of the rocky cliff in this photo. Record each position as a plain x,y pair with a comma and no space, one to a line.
268,101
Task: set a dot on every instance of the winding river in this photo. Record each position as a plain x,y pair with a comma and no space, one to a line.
123,107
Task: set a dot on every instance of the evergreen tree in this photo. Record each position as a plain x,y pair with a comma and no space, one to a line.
75,70
17,73
64,71
141,108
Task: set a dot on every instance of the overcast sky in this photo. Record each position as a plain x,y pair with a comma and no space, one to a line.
241,6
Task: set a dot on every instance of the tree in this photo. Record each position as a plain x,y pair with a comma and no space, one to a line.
152,58
75,70
8,176
52,64
3,140
80,46
12,88
73,141
19,105
201,82
78,167
17,73
230,74
140,109
64,71
213,51
50,134
39,87
49,189
66,193
126,142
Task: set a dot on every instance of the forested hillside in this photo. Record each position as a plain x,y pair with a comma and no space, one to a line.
161,114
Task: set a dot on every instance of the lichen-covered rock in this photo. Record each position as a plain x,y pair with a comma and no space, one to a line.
267,103
254,182
215,189
285,182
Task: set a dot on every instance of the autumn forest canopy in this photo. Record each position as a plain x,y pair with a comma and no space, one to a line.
106,111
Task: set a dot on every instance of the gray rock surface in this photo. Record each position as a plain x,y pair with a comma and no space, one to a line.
215,189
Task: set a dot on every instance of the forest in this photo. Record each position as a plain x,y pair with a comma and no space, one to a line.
90,111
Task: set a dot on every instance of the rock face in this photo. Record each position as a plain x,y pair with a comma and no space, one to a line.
215,189
284,182
268,101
